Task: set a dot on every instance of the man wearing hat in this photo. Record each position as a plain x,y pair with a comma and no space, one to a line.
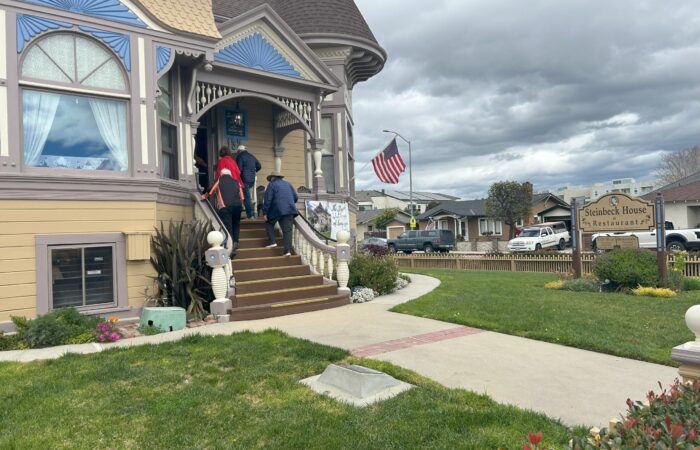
249,166
280,206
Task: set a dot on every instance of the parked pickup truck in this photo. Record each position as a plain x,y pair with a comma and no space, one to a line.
425,240
675,239
541,236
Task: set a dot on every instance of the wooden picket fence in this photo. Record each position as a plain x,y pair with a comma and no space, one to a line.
541,263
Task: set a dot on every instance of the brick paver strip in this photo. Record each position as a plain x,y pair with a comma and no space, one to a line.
412,341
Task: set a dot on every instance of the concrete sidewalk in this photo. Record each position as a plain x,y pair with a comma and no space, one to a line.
577,386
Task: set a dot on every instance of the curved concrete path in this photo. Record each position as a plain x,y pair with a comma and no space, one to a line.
577,386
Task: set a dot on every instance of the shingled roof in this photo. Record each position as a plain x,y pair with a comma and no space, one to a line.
305,16
689,192
191,16
460,208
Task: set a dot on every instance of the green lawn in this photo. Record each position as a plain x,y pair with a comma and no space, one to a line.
517,303
239,391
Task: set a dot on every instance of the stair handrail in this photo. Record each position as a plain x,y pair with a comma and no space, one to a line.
318,234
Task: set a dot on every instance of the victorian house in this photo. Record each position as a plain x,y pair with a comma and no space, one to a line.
111,112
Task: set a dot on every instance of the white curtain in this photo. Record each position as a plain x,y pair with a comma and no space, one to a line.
39,112
111,122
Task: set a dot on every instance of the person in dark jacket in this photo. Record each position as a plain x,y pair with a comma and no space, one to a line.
228,200
249,166
280,206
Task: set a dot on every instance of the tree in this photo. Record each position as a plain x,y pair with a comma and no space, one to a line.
509,201
382,220
677,165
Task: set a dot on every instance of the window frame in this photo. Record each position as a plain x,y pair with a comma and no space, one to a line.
491,222
332,148
74,89
173,125
46,243
84,306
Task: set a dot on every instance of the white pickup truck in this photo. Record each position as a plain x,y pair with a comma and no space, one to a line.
675,239
541,236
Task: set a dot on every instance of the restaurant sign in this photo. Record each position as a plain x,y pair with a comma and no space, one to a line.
616,212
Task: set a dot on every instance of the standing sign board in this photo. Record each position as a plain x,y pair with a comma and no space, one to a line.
617,212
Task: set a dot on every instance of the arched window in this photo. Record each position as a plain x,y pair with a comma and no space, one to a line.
63,126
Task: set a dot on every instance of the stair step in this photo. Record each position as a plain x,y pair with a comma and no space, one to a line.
290,307
259,263
252,223
249,233
260,252
271,272
273,284
254,242
284,295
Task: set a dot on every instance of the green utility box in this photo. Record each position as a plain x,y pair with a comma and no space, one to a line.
167,318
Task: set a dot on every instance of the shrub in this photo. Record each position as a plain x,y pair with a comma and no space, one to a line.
63,326
376,250
379,274
554,284
677,273
8,342
654,292
691,284
580,285
627,268
182,273
669,420
362,294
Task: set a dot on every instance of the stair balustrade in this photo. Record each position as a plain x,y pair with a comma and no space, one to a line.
323,258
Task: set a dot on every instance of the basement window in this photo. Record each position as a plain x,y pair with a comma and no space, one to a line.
87,272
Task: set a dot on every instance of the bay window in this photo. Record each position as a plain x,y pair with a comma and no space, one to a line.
62,128
328,153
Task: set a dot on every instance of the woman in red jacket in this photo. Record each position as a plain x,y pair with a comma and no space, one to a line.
226,161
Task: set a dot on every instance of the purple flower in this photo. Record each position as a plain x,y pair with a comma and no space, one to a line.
114,336
103,326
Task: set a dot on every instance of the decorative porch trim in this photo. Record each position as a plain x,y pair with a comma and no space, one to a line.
164,55
255,52
103,9
30,26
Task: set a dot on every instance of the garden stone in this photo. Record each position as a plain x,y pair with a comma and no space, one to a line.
168,319
357,385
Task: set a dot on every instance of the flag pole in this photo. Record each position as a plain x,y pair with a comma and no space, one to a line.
410,172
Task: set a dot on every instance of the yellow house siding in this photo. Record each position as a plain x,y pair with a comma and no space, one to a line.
22,220
293,163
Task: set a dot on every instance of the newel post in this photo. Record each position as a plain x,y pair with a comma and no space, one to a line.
688,354
342,249
218,258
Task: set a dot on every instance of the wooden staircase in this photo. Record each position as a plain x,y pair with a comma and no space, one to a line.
270,285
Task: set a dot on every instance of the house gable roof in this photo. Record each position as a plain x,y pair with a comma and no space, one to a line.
259,39
367,216
460,208
191,16
676,192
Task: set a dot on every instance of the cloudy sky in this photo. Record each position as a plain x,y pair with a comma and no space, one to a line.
558,92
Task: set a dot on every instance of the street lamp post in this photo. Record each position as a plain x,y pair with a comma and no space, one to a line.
410,171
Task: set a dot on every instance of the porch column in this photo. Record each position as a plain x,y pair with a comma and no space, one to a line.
279,154
319,184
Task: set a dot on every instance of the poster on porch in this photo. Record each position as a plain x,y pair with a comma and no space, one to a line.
328,217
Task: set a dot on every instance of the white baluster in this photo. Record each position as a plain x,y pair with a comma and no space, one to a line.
313,259
343,256
329,267
321,263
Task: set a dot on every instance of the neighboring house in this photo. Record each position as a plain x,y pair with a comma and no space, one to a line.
111,113
366,226
547,207
467,219
682,201
628,186
386,199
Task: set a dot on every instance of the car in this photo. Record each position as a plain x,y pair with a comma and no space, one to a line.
380,242
425,240
540,236
676,240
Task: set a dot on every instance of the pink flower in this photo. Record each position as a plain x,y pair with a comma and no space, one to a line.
102,326
114,336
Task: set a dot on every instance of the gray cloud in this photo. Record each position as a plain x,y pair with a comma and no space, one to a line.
559,93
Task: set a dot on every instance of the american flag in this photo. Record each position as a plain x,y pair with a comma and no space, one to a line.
388,164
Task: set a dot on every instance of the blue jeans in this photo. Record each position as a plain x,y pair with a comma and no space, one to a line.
247,199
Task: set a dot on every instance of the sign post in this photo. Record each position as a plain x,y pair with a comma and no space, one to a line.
575,241
661,256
